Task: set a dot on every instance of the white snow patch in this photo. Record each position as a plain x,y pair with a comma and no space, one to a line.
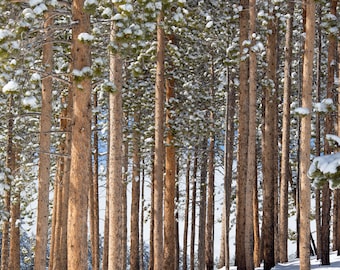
30,102
209,24
40,9
10,87
126,7
85,37
34,3
302,111
5,34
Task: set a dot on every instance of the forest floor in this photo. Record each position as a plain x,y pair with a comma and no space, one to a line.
315,264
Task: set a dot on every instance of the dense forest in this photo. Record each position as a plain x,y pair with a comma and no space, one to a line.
133,132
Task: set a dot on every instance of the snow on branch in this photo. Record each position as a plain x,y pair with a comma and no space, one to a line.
325,168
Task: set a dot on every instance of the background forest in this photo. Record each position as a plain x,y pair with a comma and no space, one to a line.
134,132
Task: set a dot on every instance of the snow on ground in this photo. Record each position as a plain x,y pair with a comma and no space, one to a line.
295,264
315,264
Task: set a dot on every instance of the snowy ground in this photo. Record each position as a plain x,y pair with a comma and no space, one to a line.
315,264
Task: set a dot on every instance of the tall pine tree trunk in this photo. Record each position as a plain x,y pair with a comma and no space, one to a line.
159,148
170,184
115,251
135,196
44,154
242,158
93,198
14,247
80,174
193,211
283,215
306,136
269,176
251,156
186,213
209,242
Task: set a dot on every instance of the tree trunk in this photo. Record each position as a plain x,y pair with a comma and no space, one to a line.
81,143
251,155
94,203
10,163
318,129
209,242
141,245
203,206
45,143
159,147
193,211
135,196
228,164
115,252
243,129
14,248
325,224
306,136
186,214
124,202
170,184
269,156
283,224
105,258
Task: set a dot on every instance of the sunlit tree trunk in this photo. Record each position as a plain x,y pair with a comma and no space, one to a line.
283,215
81,143
306,136
44,154
242,158
159,148
170,184
115,252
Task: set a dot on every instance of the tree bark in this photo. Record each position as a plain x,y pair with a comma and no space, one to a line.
243,129
170,184
159,147
186,214
283,218
81,143
14,247
115,252
203,206
269,156
251,155
94,203
10,163
193,211
135,196
306,136
45,143
209,242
